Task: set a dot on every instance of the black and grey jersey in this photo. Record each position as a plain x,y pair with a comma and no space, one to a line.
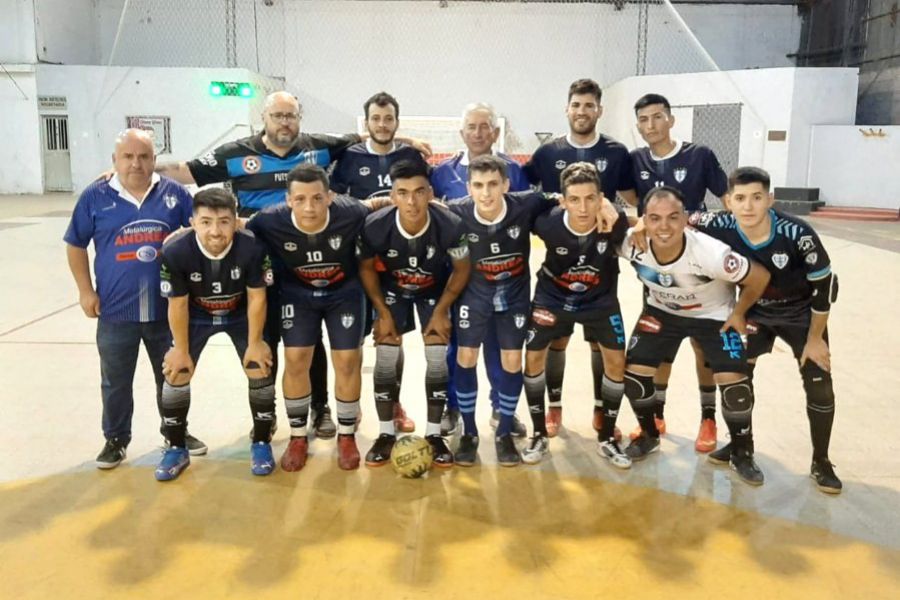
690,168
611,158
361,173
325,260
793,254
215,285
419,264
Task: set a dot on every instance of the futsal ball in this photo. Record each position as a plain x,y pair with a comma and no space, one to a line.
412,456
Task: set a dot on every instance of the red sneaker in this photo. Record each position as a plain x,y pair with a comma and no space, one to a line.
348,453
402,423
553,420
294,457
706,437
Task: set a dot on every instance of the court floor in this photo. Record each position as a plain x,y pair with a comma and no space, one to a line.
572,527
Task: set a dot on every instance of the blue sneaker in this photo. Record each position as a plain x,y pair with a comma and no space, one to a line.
261,460
174,461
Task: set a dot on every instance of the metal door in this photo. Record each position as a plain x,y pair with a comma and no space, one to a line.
57,168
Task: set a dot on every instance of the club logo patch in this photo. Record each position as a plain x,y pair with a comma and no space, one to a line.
543,317
251,165
665,279
806,243
165,287
680,174
335,242
519,320
812,257
780,260
236,273
602,163
429,252
601,246
514,232
732,263
347,320
171,201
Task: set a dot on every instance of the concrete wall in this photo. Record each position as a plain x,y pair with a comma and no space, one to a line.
20,161
852,169
17,31
99,99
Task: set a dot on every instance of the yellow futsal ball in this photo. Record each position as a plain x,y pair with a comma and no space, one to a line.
412,456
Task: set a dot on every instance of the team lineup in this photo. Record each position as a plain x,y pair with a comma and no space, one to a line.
361,235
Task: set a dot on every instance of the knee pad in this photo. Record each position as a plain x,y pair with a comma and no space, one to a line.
436,362
263,389
737,401
640,390
386,363
176,396
818,386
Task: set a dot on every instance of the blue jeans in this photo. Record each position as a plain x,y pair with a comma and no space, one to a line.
118,344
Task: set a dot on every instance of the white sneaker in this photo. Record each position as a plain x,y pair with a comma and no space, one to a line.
538,448
610,451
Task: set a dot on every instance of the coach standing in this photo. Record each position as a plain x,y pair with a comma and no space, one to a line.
127,219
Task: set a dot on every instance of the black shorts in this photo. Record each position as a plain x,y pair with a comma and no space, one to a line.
199,334
474,315
657,335
402,308
761,338
342,310
601,325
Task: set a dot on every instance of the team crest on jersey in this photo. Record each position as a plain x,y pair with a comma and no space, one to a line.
601,246
473,237
514,232
665,279
429,252
811,258
391,253
347,320
251,165
236,273
171,201
196,277
290,246
562,251
806,243
602,163
680,174
560,164
363,171
335,242
519,320
645,175
780,260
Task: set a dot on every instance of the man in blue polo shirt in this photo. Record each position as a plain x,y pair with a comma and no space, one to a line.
127,218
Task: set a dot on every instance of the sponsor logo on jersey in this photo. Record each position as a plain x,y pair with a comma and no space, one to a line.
251,165
498,268
391,253
519,320
812,257
601,246
562,250
236,273
543,317
806,243
363,171
287,324
665,279
219,306
165,287
780,260
732,263
347,320
196,277
459,252
146,254
579,279
171,201
463,324
645,175
390,300
413,279
602,163
335,242
514,231
290,246
269,277
560,164
320,276
680,173
473,237
649,324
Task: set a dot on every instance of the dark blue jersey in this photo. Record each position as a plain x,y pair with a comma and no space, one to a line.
500,250
609,156
449,178
216,286
690,168
363,174
414,265
324,260
258,176
580,270
793,254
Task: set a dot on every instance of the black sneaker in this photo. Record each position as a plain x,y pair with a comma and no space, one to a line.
112,455
743,464
642,446
380,453
507,453
823,472
518,427
442,456
449,421
194,446
722,456
322,423
467,453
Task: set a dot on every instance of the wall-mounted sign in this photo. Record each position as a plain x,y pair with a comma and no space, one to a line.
52,103
160,128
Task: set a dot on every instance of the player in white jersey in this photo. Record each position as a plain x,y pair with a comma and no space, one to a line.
691,278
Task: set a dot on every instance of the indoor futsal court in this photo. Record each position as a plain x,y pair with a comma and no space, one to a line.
196,74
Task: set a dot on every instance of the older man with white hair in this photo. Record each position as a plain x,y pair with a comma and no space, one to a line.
127,218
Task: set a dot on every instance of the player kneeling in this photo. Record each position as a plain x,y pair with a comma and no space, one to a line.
215,278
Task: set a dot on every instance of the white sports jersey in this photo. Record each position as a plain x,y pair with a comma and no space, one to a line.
699,284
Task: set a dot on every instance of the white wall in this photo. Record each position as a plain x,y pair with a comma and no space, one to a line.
66,31
20,162
99,99
851,169
17,31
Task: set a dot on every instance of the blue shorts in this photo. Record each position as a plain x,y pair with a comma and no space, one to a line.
342,310
402,308
473,313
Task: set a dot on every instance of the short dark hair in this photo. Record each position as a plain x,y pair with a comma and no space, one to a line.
407,169
215,199
382,99
664,190
747,175
488,163
651,99
585,86
579,172
307,173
